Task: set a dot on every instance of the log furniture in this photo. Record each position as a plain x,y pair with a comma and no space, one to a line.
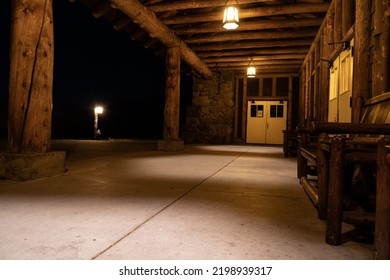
290,142
341,153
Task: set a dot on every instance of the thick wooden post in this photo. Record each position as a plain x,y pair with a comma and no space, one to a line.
348,9
302,97
30,94
382,215
385,45
31,77
337,24
290,104
171,139
326,50
361,86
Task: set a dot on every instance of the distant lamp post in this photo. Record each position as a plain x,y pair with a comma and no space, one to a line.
230,17
98,110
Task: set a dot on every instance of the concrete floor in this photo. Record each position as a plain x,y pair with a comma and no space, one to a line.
126,200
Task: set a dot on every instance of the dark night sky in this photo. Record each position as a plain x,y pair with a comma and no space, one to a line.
94,64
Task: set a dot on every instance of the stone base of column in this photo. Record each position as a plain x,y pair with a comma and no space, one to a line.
170,145
22,167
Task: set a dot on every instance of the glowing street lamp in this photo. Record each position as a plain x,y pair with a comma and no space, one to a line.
98,110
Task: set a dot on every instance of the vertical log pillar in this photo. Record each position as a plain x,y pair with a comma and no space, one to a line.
348,15
338,32
290,104
30,93
31,77
378,59
308,92
171,140
244,108
324,80
385,45
361,86
302,97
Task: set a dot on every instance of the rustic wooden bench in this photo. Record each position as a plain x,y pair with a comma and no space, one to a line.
337,157
340,151
307,165
310,157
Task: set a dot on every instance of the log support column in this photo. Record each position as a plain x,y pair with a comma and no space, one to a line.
361,83
385,45
29,154
171,140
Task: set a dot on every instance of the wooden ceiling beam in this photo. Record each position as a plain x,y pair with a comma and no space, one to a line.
252,13
236,36
297,63
251,45
254,58
252,52
101,9
263,69
192,4
121,23
252,25
148,21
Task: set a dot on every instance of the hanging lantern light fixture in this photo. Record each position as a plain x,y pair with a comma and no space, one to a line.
230,17
251,71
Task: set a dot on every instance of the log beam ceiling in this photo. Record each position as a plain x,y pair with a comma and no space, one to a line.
148,21
272,32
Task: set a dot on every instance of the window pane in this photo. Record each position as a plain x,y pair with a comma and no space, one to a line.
253,111
282,86
267,87
279,113
260,110
252,87
273,111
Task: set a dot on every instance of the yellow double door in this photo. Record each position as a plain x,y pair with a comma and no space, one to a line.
266,121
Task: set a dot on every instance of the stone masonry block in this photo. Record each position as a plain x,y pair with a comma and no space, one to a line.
22,167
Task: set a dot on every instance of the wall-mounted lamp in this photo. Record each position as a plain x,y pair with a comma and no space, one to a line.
251,71
346,44
230,17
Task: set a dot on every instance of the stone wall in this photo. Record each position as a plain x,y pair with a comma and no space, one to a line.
210,119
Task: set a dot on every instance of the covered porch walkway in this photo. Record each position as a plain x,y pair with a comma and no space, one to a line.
126,200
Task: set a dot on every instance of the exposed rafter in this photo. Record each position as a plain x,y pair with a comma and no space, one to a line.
260,35
191,4
270,31
255,25
252,13
148,21
251,45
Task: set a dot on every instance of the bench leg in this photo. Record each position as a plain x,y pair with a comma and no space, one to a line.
323,178
301,165
335,195
382,215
